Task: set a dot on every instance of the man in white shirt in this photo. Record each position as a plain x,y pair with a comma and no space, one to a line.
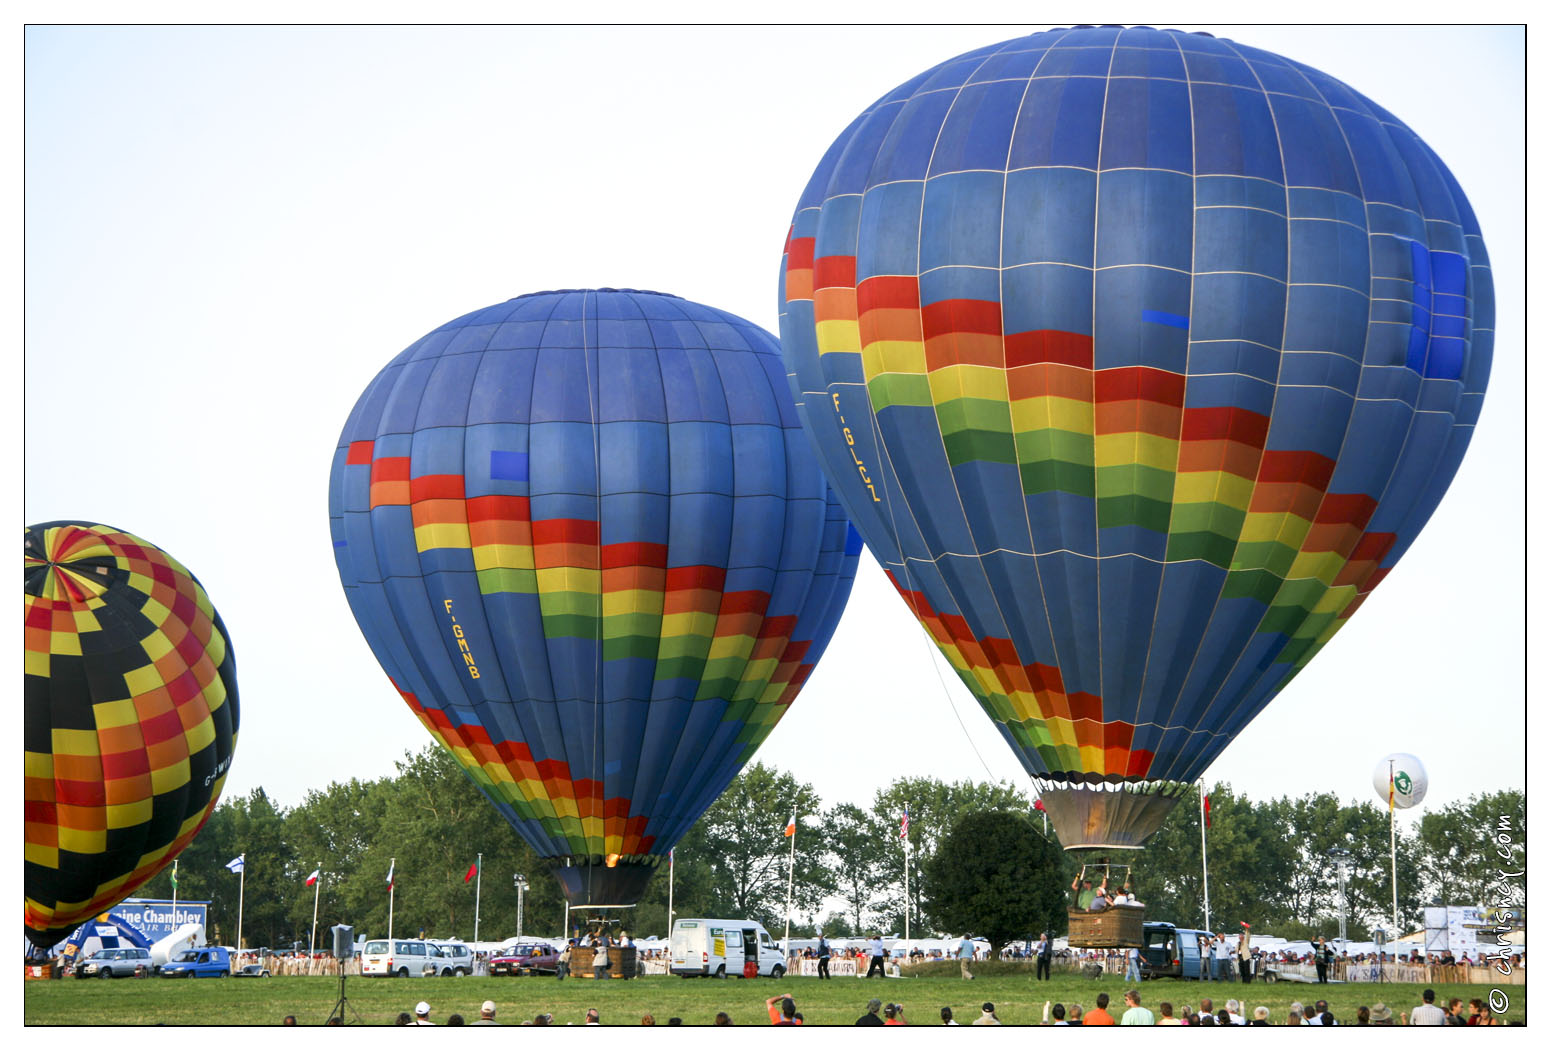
1224,954
1428,1013
423,1013
1234,1017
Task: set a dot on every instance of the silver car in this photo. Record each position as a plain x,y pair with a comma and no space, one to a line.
114,963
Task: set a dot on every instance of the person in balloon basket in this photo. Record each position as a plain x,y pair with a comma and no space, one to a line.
875,953
600,957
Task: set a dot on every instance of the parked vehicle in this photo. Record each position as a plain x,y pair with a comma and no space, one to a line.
451,958
115,963
1171,952
252,970
400,958
525,958
719,948
213,961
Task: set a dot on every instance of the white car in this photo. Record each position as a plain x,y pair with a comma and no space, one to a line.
451,959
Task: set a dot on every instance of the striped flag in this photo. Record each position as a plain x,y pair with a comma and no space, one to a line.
904,824
791,826
314,877
175,875
238,863
390,874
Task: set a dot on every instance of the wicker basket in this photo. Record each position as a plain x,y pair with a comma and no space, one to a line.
1117,927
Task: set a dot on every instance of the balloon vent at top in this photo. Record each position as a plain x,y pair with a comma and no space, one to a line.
1138,358
584,535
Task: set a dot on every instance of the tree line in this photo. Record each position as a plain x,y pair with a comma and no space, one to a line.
981,859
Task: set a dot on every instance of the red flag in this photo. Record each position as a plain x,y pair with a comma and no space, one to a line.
314,877
1039,804
473,869
904,824
1206,810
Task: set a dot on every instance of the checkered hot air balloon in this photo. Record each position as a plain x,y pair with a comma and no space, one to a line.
1138,358
584,535
130,718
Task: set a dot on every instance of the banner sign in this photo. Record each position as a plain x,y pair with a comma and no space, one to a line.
153,917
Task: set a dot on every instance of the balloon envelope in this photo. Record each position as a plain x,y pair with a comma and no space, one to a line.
1410,779
130,718
583,533
1138,358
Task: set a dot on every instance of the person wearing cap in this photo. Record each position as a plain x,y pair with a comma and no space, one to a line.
987,1015
423,1014
871,1017
1381,1015
486,1014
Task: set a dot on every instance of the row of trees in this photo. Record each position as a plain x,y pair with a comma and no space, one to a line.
981,859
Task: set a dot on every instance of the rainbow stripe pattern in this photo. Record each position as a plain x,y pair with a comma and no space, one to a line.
130,719
1138,358
584,534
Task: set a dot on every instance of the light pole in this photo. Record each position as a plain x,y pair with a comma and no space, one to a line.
521,883
1342,859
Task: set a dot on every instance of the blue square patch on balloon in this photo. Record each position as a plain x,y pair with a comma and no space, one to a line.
508,466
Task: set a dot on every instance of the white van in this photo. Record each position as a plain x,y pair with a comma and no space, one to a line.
721,948
400,958
452,958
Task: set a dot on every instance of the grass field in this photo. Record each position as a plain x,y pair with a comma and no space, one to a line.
1019,1000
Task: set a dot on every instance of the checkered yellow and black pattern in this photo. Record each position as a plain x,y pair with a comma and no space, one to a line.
130,718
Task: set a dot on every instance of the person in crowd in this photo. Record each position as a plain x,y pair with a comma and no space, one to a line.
1380,1014
1054,1014
1456,1015
722,1018
871,1017
875,952
1322,958
1262,1016
291,1020
1135,1014
1326,1018
823,956
1204,947
1074,1014
1206,1007
647,1019
1133,964
1362,1015
1311,1016
1224,954
454,1019
1042,956
782,1009
1166,1014
675,1020
1295,1017
987,1015
563,964
1244,956
1234,1017
894,1014
1479,1015
422,1014
487,1014
1322,1008
947,1016
1427,1013
966,954
1100,1013
544,1019
592,1017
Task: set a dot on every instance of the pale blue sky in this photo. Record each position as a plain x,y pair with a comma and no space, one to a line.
229,231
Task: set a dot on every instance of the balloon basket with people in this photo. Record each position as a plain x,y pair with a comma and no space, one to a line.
1100,917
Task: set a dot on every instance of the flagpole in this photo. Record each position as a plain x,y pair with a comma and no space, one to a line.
907,899
1394,882
312,939
479,873
242,881
1206,897
175,923
670,893
391,862
791,868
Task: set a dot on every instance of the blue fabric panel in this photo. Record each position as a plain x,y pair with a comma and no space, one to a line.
994,523
853,166
1121,337
1246,240
1147,125
436,451
1186,598
977,130
835,232
1128,595
889,239
1233,356
960,282
1238,306
1047,297
1147,62
907,148
1071,585
1012,63
1049,217
1243,139
1062,521
1313,150
1120,540
961,222
1145,217
1314,369
1059,123
916,452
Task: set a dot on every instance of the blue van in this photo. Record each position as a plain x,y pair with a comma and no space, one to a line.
1171,952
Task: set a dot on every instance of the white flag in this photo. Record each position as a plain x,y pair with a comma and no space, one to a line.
314,877
237,864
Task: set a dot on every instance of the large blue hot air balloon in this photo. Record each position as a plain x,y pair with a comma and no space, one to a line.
1138,358
584,535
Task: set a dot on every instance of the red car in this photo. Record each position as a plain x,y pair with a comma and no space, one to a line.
526,958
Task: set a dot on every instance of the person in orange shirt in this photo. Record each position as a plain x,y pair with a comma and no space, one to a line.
784,1012
1099,1015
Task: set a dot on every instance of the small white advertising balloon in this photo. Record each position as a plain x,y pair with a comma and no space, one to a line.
1410,780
